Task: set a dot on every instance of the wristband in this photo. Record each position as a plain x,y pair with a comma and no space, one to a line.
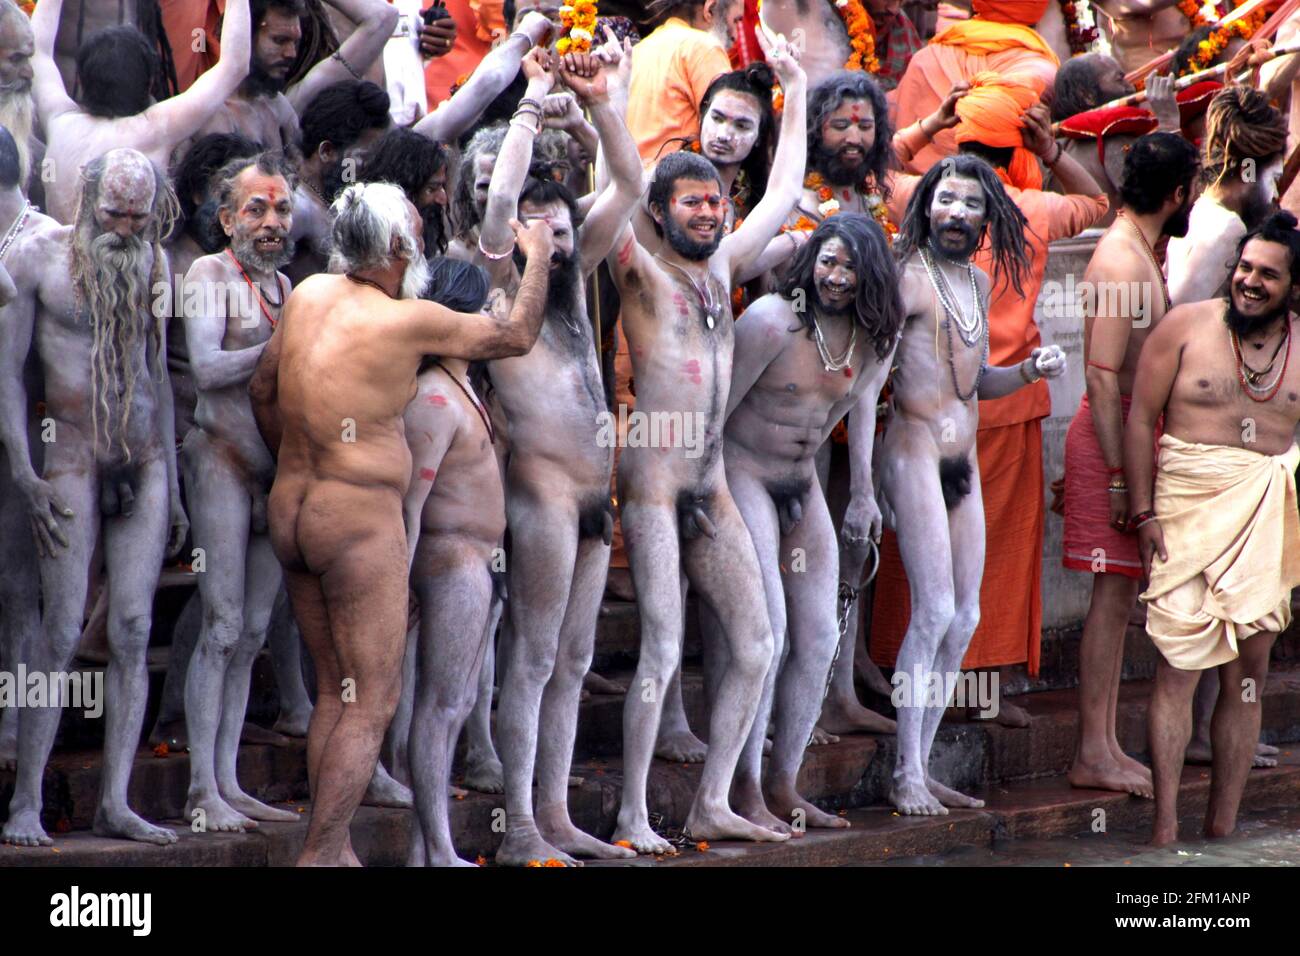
1060,151
1028,380
495,256
1141,518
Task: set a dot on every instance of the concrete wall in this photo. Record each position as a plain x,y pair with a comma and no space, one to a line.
1065,593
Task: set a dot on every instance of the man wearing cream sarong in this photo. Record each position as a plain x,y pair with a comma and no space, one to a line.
1221,548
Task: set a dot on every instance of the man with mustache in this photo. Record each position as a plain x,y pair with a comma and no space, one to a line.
265,108
929,480
110,472
804,357
678,514
338,128
233,300
117,68
335,507
1218,531
17,111
557,479
1158,181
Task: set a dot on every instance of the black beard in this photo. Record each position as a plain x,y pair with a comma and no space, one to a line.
261,83
1255,208
961,253
1245,325
835,171
331,181
435,230
1177,224
205,228
685,246
561,286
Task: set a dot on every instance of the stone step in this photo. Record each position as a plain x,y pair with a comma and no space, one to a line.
1028,809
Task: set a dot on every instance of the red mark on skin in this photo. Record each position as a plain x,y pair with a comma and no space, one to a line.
427,474
625,254
438,400
692,370
846,194
855,115
679,300
848,373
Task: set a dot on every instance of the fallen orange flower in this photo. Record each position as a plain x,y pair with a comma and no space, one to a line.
702,846
480,860
553,862
625,844
162,750
533,863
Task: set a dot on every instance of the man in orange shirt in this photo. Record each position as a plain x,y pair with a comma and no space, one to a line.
673,66
1009,444
997,38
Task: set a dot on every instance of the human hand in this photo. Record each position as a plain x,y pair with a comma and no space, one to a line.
584,74
945,117
1036,131
1118,509
535,240
1049,361
179,525
1151,542
438,37
538,68
617,54
42,507
782,56
863,521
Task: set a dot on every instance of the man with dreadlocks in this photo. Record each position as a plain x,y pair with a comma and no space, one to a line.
557,479
111,468
1242,155
115,108
928,478
804,357
82,19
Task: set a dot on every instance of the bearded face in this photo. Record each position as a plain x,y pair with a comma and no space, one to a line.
1260,289
848,135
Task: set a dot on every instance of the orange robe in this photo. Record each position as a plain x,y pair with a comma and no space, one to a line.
478,22
957,54
180,19
1009,449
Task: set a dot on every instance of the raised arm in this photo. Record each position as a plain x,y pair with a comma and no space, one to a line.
375,20
1037,134
496,235
213,366
264,390
785,184
586,74
176,119
48,91
493,74
436,330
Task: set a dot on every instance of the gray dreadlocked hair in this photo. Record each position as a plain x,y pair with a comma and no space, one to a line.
113,308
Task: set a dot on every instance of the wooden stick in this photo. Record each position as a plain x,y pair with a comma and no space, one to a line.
1245,10
1191,79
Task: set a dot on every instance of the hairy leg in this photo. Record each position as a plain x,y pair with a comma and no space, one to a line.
1169,727
63,586
483,770
911,480
364,582
1134,768
1102,645
558,724
650,535
133,552
801,685
724,571
455,592
1234,730
544,545
759,514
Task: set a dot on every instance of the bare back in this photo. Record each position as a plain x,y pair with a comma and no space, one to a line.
1127,288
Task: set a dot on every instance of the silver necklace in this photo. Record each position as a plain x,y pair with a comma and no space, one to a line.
958,318
16,228
712,310
970,329
830,363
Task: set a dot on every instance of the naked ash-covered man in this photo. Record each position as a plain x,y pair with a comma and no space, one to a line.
110,473
678,514
335,508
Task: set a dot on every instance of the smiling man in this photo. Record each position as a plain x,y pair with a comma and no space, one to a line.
1217,530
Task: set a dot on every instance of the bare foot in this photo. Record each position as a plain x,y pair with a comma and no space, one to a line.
1198,753
868,674
680,746
253,734
217,815
719,823
1134,768
24,829
1008,715
574,781
950,797
803,814
841,716
525,845
123,823
172,733
641,838
256,809
558,830
593,682
1109,776
754,809
913,798
1260,760
384,791
484,774
456,793
1266,750
821,738
293,723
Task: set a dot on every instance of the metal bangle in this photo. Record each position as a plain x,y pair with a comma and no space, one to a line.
494,256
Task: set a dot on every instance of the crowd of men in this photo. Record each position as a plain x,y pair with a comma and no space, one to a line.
412,333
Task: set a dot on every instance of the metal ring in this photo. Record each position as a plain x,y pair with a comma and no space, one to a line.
875,564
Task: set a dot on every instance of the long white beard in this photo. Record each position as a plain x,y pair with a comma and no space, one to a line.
415,279
17,115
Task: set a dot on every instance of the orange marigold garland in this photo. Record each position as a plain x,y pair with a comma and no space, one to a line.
828,206
27,6
579,22
1213,45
